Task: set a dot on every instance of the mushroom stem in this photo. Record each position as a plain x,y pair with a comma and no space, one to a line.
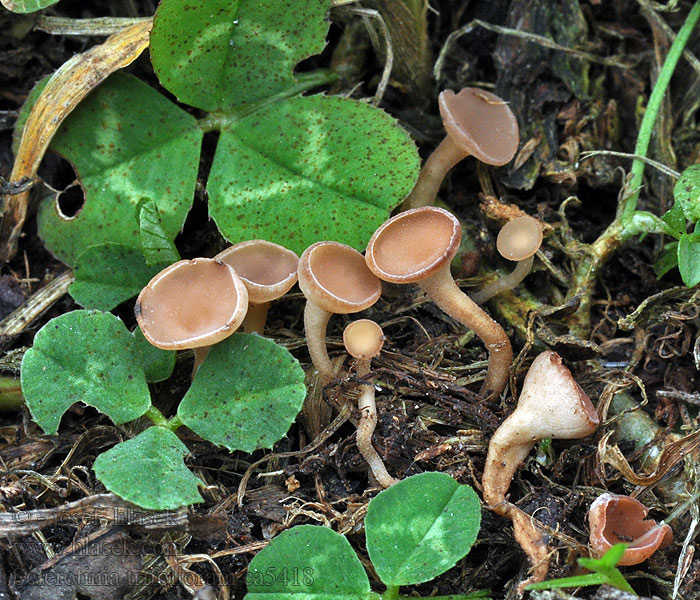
507,282
200,354
431,175
365,428
255,318
505,454
315,324
444,292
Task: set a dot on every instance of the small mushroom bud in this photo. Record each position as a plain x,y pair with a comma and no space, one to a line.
518,240
192,304
268,271
416,246
363,340
477,123
334,279
614,519
551,405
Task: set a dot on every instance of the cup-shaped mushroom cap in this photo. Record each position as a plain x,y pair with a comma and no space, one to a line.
335,277
614,519
481,123
413,245
552,404
191,303
363,339
267,269
520,238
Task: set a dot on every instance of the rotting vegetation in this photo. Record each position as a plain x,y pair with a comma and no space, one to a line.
577,75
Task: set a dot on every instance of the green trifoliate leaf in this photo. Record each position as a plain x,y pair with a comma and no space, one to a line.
109,274
308,169
245,395
27,6
307,562
157,364
126,142
216,54
84,356
156,245
687,193
689,258
149,471
420,527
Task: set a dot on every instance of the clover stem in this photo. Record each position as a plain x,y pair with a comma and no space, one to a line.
11,398
438,164
623,227
445,293
391,593
156,417
507,282
365,428
255,318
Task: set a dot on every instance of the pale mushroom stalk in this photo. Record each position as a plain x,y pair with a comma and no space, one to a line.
334,279
416,246
478,123
255,318
315,326
445,293
364,340
506,282
518,240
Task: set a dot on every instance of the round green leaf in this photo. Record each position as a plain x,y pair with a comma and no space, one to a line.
687,192
216,54
126,142
149,471
420,527
246,394
157,364
689,259
308,169
109,274
84,356
307,562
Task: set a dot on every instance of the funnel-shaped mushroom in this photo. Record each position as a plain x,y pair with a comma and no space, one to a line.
551,405
417,246
518,240
192,304
334,279
363,340
614,519
268,271
477,123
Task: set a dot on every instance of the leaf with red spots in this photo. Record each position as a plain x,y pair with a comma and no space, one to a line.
215,54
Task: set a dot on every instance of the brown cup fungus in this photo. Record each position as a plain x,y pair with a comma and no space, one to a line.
334,279
518,240
478,123
363,340
551,405
416,246
192,304
268,271
614,519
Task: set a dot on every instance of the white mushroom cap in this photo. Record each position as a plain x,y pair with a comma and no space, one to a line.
552,404
520,238
268,270
363,339
191,304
